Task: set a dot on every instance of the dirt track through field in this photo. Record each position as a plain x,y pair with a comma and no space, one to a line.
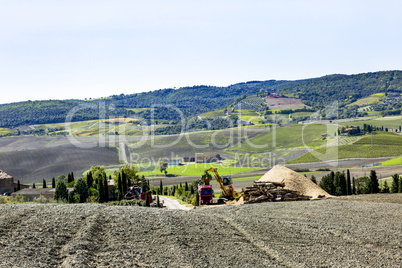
332,233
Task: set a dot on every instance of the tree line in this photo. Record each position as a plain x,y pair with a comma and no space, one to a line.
339,183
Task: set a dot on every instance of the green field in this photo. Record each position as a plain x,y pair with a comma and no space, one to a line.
292,136
250,115
380,145
368,100
198,170
392,162
5,131
137,110
213,114
389,122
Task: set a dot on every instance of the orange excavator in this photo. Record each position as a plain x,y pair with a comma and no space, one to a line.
224,182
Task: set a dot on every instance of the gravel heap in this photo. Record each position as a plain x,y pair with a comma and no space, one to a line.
294,181
326,233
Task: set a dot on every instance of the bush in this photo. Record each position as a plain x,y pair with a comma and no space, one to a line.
18,199
41,199
92,199
76,198
3,200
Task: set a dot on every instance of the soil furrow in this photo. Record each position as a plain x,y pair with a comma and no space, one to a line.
272,254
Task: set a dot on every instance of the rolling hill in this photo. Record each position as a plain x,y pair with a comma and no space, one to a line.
196,100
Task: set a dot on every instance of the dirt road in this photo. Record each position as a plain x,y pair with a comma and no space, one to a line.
327,233
172,203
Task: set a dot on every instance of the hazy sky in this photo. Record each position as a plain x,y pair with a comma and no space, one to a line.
81,49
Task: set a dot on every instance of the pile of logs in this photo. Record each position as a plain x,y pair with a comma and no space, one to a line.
270,192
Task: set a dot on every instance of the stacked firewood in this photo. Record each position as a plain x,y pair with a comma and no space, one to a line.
270,192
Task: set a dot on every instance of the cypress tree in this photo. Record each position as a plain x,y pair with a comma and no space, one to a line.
147,201
90,179
124,182
160,187
191,190
33,186
374,180
157,202
69,178
313,179
348,185
343,183
119,188
385,189
61,191
53,183
400,185
101,192
353,186
337,184
186,187
18,185
81,188
44,184
72,176
395,183
197,199
106,189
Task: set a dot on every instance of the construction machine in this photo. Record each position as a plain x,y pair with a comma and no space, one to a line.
225,183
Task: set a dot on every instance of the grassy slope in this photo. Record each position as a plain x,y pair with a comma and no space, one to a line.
384,144
292,136
5,131
368,100
213,114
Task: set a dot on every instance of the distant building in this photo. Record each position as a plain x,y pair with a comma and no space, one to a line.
208,158
6,183
30,193
173,162
189,159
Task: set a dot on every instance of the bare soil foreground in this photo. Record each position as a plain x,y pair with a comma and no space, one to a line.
349,232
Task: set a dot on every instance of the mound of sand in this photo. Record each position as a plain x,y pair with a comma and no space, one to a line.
294,181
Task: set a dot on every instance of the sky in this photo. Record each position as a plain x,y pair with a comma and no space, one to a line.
90,49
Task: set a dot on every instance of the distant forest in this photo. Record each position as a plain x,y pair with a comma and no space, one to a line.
195,100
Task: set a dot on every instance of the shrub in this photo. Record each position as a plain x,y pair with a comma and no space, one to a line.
41,199
92,199
76,198
3,200
18,199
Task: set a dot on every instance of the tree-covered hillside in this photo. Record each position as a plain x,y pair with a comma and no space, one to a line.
344,88
195,100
